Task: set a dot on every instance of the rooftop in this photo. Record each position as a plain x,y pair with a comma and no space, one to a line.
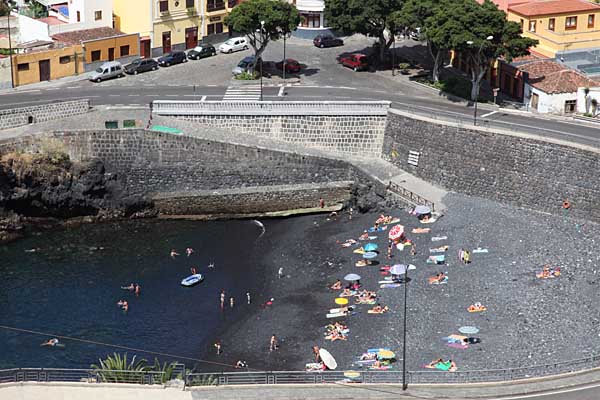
51,20
553,78
551,7
76,37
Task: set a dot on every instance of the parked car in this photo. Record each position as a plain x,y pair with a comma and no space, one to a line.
245,66
141,65
357,62
201,51
169,59
234,44
111,69
291,66
327,41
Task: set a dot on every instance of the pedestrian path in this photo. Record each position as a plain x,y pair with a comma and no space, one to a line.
242,93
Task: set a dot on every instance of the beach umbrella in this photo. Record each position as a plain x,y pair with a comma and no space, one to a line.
370,247
468,330
396,232
369,255
327,359
420,210
352,277
398,269
386,354
342,301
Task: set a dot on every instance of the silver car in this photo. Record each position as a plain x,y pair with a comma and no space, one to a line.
111,69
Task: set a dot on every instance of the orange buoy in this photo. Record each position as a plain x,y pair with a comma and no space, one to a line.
566,204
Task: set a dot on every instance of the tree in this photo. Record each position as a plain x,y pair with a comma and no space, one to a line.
435,20
6,6
369,17
487,35
35,9
279,18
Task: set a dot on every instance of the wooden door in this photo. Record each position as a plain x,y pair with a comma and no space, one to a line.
534,101
191,37
44,70
166,41
111,54
145,48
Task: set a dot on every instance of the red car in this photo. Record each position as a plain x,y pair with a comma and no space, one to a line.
291,66
357,62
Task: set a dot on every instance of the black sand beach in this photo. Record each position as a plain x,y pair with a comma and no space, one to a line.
524,324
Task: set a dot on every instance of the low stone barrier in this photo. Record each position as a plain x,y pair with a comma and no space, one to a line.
14,117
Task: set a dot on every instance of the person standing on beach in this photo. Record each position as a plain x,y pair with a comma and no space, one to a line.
280,272
321,202
248,297
389,251
231,302
273,344
350,213
218,347
315,350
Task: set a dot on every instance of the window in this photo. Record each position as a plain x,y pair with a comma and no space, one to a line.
571,23
124,50
64,59
210,29
214,5
189,3
97,15
219,27
163,6
591,19
570,106
78,16
23,67
531,26
551,22
96,55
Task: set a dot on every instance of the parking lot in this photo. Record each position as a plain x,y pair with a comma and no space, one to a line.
321,67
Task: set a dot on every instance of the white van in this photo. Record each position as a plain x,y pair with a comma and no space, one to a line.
234,44
111,69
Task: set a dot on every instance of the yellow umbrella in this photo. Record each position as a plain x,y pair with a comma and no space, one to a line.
342,301
386,354
352,374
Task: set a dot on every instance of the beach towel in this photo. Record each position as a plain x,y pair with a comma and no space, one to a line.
337,315
421,230
433,280
438,238
440,249
460,346
436,259
389,285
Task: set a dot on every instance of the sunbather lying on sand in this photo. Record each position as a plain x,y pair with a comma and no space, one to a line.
378,309
547,272
477,307
335,335
439,278
362,263
347,293
368,356
336,286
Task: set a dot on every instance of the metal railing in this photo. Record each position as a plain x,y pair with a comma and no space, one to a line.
298,377
191,108
409,196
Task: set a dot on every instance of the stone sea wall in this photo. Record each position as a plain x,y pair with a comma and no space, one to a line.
349,135
158,165
45,112
512,168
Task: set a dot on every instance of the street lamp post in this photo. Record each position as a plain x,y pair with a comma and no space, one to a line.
262,27
470,43
394,57
10,52
406,280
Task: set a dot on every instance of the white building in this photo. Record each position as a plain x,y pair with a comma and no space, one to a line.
22,30
313,19
81,14
552,88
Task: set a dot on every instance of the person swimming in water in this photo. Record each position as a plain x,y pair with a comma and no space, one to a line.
51,342
174,253
211,265
138,289
193,270
189,251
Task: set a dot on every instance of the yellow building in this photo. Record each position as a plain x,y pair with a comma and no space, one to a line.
559,25
46,65
166,25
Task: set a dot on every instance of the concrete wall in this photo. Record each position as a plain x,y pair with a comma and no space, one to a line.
31,29
130,43
548,103
87,11
511,168
11,118
351,135
66,61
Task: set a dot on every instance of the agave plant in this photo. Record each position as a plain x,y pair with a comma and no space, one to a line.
117,368
165,368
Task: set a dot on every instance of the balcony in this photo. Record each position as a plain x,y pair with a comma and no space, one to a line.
215,6
232,3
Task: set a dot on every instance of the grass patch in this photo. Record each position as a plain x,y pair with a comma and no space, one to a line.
246,76
453,85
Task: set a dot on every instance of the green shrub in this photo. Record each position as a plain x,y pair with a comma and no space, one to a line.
245,76
403,66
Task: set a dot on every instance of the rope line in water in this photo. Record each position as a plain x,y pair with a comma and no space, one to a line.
117,346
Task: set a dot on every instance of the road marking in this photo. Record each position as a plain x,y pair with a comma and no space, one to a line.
53,88
203,98
133,95
281,89
243,93
488,114
24,91
72,87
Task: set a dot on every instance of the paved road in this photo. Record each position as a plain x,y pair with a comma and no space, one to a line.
323,78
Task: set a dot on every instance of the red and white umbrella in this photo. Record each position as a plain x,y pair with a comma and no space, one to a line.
396,232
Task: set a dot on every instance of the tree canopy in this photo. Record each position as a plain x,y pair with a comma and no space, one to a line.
279,18
6,6
369,17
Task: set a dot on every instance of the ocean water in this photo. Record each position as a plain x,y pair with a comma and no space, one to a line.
68,281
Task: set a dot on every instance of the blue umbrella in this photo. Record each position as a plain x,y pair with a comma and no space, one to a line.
370,247
369,255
